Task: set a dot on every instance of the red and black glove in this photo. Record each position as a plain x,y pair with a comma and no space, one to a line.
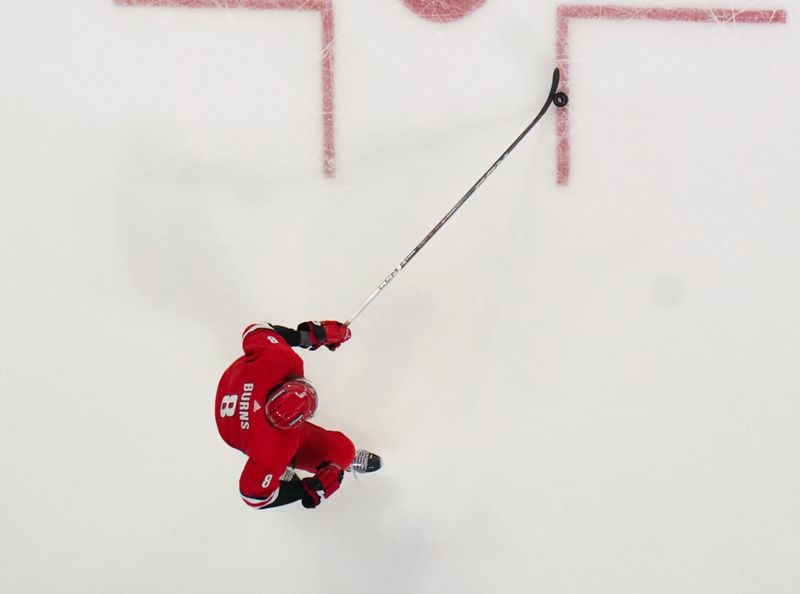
326,482
327,333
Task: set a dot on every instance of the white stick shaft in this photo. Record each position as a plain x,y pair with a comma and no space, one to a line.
380,288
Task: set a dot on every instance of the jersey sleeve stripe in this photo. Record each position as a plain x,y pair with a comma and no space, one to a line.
254,327
260,502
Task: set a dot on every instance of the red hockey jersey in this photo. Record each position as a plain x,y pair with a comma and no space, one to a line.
268,361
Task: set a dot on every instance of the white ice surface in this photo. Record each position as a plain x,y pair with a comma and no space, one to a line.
584,389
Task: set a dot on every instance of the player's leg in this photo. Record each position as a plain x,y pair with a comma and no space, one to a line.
318,445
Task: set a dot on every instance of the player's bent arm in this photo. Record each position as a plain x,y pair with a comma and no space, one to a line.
308,335
251,334
287,492
261,486
294,338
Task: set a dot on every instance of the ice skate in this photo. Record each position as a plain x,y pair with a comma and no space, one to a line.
365,461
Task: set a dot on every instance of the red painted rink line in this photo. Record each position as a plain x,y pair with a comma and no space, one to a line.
325,8
564,14
599,12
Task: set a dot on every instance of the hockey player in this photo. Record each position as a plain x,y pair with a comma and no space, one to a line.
262,408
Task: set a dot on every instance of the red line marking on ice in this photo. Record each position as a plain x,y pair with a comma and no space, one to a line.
325,8
599,12
443,11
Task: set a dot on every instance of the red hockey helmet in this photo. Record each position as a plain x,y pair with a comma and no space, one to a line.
291,403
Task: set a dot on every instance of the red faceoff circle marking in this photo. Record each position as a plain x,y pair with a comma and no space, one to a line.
443,11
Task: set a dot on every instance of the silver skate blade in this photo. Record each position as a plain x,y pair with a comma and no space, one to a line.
365,461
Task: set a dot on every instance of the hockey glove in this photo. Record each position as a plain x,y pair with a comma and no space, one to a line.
326,482
311,498
327,333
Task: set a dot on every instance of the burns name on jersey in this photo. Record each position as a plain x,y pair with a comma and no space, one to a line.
244,406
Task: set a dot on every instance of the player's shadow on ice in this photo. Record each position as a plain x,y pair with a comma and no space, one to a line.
187,227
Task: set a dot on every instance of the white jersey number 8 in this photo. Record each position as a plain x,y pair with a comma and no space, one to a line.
227,407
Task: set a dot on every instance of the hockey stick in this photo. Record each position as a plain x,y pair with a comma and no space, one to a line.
560,99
